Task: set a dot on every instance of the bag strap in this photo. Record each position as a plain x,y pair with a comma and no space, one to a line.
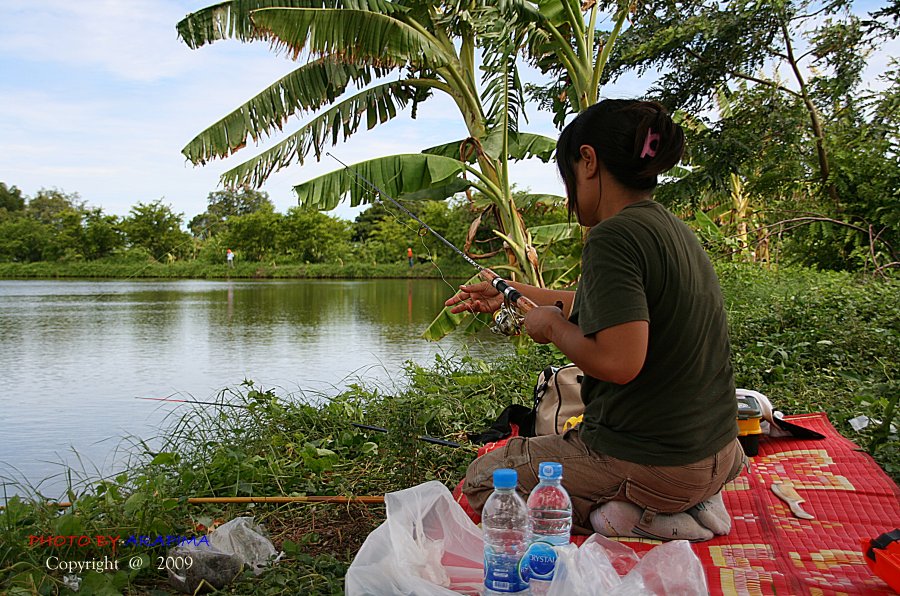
541,388
558,403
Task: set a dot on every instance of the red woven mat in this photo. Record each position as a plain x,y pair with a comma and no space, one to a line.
770,551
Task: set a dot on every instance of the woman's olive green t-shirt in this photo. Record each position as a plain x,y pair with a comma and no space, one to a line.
644,264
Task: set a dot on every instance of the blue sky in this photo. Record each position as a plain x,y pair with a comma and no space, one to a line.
99,96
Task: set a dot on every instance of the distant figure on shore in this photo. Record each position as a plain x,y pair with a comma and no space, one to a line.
409,256
229,256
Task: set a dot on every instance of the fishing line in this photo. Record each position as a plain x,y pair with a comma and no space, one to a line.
507,320
418,231
421,232
410,213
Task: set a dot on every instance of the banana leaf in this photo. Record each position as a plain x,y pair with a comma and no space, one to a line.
547,234
445,321
396,175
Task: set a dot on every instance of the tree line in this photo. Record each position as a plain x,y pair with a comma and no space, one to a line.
54,225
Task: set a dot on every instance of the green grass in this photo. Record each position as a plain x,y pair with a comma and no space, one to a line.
810,341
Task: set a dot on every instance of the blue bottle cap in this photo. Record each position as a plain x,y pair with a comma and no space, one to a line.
505,478
550,470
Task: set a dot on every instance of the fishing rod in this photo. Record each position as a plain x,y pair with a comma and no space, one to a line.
506,320
192,401
371,500
308,499
425,438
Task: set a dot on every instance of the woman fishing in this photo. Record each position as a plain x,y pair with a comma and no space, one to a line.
647,326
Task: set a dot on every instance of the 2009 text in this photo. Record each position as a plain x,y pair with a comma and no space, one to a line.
174,563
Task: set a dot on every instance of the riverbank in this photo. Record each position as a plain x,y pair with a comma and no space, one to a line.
811,341
115,269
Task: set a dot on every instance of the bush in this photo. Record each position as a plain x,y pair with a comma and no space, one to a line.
820,341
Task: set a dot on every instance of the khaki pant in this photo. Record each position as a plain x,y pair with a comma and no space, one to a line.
592,479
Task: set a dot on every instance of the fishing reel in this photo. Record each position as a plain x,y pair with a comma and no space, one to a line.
508,320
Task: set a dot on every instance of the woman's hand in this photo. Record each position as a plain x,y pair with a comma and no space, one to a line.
539,322
480,297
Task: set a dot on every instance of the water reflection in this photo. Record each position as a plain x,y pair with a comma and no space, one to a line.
75,354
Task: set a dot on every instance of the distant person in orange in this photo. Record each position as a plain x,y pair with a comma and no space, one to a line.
409,256
229,256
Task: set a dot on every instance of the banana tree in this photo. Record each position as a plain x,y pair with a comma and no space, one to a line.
563,42
431,47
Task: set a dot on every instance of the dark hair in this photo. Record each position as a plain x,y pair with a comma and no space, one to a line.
636,141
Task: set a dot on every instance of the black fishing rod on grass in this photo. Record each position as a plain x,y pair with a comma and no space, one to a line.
426,438
506,321
380,429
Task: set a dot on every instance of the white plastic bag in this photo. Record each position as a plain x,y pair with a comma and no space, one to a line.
606,567
582,571
427,546
670,569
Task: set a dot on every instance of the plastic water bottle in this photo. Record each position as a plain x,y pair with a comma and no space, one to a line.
550,513
504,520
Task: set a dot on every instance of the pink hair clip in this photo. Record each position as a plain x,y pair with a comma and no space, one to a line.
649,148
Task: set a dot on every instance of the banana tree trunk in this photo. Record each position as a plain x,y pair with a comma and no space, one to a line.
521,257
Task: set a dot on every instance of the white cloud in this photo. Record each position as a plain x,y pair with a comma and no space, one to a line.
99,97
133,40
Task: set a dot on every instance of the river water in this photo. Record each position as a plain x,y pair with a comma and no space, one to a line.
75,355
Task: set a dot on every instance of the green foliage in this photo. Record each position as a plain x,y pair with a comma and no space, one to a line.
431,48
366,221
49,206
312,237
11,198
252,237
792,120
557,240
155,227
820,341
137,263
563,43
23,240
398,176
225,204
387,242
102,236
55,226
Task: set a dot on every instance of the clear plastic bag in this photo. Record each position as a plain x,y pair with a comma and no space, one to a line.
427,546
606,567
245,539
232,546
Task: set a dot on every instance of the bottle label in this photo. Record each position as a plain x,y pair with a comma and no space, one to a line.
504,573
541,559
